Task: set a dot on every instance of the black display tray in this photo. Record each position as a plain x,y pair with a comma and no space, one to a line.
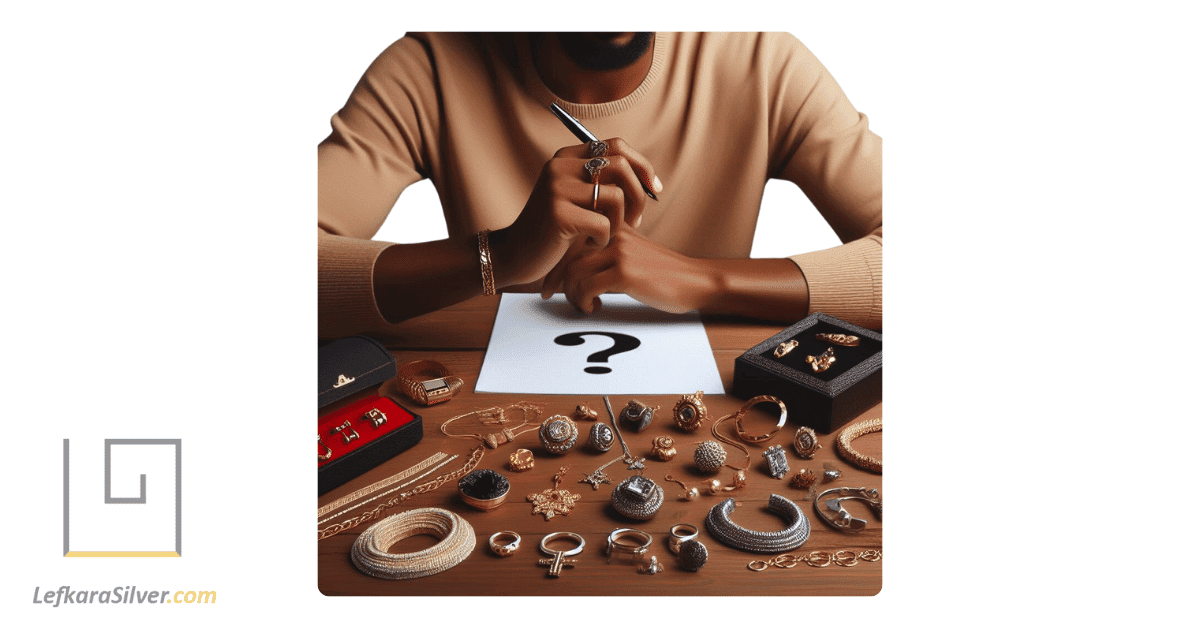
823,401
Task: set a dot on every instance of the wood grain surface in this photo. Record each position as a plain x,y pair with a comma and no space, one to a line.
457,337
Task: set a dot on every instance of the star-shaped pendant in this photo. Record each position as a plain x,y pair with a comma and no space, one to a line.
597,478
553,501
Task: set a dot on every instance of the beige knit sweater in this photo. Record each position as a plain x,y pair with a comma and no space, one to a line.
718,114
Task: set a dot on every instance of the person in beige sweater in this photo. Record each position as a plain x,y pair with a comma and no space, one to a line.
702,119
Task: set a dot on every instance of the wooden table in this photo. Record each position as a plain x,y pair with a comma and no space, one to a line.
457,337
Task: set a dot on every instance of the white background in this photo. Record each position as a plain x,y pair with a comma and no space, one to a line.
159,190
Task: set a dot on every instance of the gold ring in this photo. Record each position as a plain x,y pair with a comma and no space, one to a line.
510,547
785,348
663,448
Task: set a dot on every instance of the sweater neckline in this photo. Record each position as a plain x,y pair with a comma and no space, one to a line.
582,111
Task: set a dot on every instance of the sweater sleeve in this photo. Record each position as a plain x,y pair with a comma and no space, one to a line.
822,144
380,144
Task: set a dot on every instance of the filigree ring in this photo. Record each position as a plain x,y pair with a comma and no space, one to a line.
594,166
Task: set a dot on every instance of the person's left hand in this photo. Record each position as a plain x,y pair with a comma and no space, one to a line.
645,270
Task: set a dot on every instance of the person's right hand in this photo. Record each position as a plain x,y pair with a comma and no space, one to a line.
559,213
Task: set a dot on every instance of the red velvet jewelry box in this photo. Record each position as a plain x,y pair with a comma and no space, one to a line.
823,401
361,436
348,368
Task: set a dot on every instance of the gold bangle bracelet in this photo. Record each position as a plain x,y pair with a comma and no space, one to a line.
485,263
427,382
853,457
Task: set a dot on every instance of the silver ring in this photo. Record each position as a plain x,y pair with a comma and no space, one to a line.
636,550
598,148
594,166
561,535
689,532
508,549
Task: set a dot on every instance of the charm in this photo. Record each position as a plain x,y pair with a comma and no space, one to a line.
785,348
553,501
806,443
690,494
651,568
521,460
635,464
600,437
776,461
638,415
583,412
831,473
709,456
664,448
347,432
376,417
690,412
804,479
845,340
821,363
596,478
328,452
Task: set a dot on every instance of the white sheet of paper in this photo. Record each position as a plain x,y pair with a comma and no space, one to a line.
672,355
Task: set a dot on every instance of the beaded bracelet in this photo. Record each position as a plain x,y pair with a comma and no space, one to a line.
369,552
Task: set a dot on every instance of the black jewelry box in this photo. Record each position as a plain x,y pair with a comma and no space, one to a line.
347,369
347,366
823,401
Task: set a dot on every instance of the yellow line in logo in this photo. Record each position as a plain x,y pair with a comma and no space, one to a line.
122,554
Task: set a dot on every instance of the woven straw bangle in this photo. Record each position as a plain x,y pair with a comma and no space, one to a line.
854,431
369,552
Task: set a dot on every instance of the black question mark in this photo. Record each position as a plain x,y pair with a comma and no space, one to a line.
621,344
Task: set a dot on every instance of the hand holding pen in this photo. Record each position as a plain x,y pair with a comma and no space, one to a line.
581,196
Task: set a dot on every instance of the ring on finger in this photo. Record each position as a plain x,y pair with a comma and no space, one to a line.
596,197
594,166
598,148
